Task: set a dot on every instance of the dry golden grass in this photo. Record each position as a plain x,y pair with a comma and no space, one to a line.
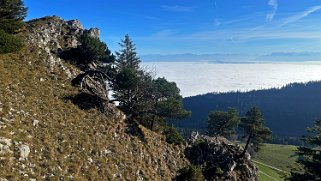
69,142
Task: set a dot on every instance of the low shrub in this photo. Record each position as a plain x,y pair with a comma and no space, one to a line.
173,136
190,173
9,43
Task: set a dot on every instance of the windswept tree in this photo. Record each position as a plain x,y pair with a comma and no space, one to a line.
223,123
140,95
255,130
163,101
309,156
12,14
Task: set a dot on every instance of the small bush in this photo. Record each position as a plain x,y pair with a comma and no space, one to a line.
173,136
9,43
190,173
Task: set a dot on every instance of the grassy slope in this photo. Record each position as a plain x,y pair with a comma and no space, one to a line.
279,156
70,142
268,171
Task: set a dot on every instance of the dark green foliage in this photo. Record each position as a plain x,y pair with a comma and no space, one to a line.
12,13
125,87
173,136
287,111
309,157
190,173
223,123
127,78
255,130
171,108
9,43
140,95
161,99
127,56
169,101
93,50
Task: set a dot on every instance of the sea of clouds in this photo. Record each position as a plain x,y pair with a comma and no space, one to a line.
195,78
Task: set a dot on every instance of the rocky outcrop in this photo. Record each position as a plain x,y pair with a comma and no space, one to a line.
49,36
219,158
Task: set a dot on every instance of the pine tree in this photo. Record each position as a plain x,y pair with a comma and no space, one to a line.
223,123
12,14
309,157
127,56
254,128
140,95
94,50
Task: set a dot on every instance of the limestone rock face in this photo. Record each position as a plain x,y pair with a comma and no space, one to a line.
49,36
53,32
94,32
75,25
219,157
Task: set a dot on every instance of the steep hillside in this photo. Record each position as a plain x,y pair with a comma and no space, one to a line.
50,130
287,111
44,135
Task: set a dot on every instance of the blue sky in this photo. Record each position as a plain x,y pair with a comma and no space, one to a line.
246,27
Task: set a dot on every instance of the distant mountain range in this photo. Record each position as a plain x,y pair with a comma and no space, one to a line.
234,57
287,111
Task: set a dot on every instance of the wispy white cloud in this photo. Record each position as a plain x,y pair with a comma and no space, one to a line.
238,35
177,8
274,6
301,15
280,34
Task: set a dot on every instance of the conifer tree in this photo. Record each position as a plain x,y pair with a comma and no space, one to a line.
12,14
127,56
223,123
254,128
140,95
94,50
309,157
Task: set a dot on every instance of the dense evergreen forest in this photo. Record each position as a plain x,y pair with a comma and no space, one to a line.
287,111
